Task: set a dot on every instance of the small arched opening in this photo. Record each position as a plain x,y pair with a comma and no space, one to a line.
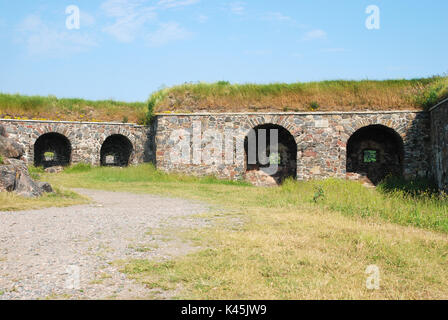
269,161
116,151
375,151
52,149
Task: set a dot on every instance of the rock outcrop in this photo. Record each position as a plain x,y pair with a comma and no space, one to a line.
9,148
14,175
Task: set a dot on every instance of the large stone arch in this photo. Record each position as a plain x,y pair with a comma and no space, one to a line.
52,149
60,128
116,150
358,122
375,151
118,131
284,121
281,162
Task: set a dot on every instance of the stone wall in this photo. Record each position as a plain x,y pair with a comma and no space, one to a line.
321,140
85,138
439,143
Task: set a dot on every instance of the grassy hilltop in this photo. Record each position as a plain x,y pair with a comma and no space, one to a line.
16,106
338,95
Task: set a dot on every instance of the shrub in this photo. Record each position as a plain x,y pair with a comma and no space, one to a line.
432,93
314,106
35,172
153,101
319,194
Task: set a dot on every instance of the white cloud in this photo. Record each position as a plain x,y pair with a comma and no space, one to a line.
332,50
120,8
130,16
257,52
237,7
202,18
176,3
167,32
134,19
86,19
276,16
40,38
315,35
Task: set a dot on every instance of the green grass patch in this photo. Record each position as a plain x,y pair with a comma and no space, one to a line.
80,167
28,103
337,95
223,96
52,108
142,173
9,201
414,203
62,197
35,172
303,240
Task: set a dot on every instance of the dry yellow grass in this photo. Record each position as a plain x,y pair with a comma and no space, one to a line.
303,254
276,243
51,108
340,95
12,202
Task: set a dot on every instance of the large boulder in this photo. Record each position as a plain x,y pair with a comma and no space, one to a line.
7,178
26,187
16,163
10,149
14,174
14,177
45,186
259,178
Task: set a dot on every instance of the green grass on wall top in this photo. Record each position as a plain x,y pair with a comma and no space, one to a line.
222,96
337,95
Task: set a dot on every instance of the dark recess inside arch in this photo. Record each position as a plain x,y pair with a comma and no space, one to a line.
116,151
287,151
56,144
387,146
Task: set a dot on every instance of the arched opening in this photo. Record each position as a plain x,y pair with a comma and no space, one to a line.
276,163
375,151
52,149
116,151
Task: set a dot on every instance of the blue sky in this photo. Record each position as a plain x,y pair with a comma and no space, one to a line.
126,49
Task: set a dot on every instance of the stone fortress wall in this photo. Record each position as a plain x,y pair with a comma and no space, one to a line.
81,142
314,145
439,143
321,140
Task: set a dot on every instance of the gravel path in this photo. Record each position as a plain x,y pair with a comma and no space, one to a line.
43,251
